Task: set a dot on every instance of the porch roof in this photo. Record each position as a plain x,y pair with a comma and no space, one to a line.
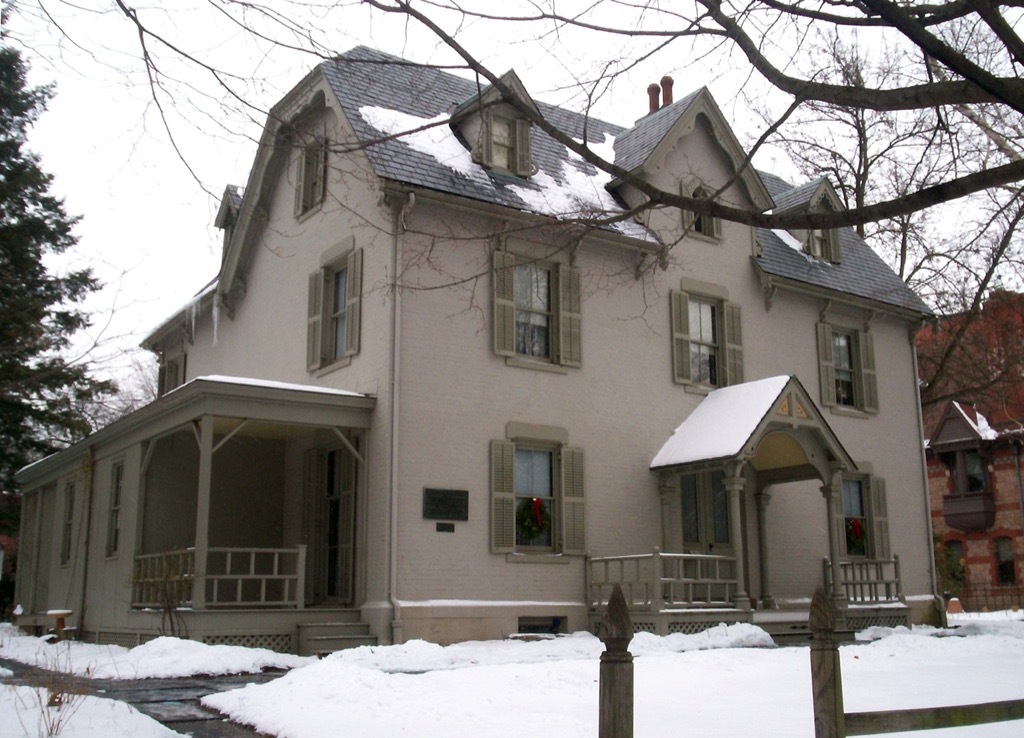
730,423
221,396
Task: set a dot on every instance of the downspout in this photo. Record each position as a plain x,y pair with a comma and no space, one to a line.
939,602
398,213
90,488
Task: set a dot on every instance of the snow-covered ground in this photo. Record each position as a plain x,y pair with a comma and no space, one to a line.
718,683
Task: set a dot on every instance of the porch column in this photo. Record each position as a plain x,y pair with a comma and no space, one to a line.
767,598
734,485
832,491
203,511
666,490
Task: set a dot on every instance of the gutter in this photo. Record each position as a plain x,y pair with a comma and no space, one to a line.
398,211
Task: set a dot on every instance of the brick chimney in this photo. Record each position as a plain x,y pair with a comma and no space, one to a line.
652,92
666,90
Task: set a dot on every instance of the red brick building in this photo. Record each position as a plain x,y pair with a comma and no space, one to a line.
976,486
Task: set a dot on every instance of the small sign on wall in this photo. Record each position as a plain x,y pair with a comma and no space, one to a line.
445,504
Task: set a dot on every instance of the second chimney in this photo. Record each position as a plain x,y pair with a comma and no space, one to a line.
666,91
652,92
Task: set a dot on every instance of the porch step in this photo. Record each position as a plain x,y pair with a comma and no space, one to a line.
322,638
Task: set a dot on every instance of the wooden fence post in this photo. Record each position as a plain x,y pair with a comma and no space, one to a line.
616,682
826,675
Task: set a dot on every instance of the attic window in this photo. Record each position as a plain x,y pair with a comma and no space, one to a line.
311,176
823,243
705,225
506,144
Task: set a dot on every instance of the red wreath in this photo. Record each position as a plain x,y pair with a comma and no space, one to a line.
856,530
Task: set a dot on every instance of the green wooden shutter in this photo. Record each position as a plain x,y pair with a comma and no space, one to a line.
680,305
318,172
868,376
503,497
733,345
826,366
523,164
504,275
353,301
574,540
314,322
832,246
486,137
570,319
300,181
880,548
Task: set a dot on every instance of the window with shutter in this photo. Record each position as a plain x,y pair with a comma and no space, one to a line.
505,144
537,498
707,340
846,368
537,310
864,519
334,310
311,176
705,225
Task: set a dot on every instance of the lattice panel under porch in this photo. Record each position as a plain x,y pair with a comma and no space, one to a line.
279,642
690,628
645,628
876,621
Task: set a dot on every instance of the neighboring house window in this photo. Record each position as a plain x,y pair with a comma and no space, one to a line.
506,144
334,312
1005,571
537,499
864,520
114,512
705,225
846,364
311,177
67,520
537,310
707,340
967,470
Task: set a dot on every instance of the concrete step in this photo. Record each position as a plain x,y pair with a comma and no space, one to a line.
322,638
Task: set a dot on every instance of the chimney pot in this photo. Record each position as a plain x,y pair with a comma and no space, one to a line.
652,92
666,90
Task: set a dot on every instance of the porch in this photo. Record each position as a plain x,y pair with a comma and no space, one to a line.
688,593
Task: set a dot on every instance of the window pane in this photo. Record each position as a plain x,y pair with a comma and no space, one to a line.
533,310
535,506
338,318
1005,572
975,471
856,522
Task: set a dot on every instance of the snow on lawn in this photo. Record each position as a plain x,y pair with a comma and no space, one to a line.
160,658
685,685
83,717
717,683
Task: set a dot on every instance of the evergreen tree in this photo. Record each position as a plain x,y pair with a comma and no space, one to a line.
41,393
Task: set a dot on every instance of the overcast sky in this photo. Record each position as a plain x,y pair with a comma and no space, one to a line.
146,174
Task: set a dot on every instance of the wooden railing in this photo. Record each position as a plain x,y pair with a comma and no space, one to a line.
235,577
663,581
265,577
868,581
164,579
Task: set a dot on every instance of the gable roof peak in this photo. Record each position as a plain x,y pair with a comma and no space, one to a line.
491,95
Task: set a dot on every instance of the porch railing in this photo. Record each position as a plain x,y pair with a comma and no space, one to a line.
663,581
164,579
235,577
868,581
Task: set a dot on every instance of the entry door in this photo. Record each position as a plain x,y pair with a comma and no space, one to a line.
705,513
705,519
340,514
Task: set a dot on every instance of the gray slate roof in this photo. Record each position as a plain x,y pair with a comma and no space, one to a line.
860,272
366,77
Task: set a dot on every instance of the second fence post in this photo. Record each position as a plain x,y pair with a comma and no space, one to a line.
826,676
616,682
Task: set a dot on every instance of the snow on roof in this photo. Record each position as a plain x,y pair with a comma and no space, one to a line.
977,421
266,383
721,423
577,191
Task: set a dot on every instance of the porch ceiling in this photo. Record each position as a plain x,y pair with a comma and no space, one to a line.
771,423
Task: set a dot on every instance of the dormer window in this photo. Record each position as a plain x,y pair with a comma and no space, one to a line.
506,144
823,243
310,176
